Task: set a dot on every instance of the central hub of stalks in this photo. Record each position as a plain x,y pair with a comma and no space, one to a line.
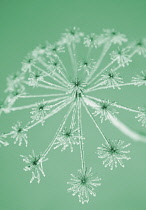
78,88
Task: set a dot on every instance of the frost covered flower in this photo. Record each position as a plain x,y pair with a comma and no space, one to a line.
142,116
112,79
105,109
67,138
2,141
28,63
53,49
86,65
72,87
54,65
19,134
14,95
113,152
39,112
139,47
121,56
15,81
91,40
35,165
140,79
83,184
114,36
72,35
40,51
34,78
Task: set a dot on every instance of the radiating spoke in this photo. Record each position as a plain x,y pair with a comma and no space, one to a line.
58,131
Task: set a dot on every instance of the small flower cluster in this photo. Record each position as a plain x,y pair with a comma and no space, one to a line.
35,165
83,184
113,153
104,109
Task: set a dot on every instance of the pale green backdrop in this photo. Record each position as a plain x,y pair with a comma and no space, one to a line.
27,23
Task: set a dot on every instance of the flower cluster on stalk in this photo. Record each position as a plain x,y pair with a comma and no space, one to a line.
55,77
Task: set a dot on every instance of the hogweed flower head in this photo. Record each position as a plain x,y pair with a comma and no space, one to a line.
39,112
86,65
53,78
54,49
83,184
35,165
72,35
54,65
113,152
121,56
28,63
114,36
112,79
139,47
67,138
19,134
104,109
34,78
91,40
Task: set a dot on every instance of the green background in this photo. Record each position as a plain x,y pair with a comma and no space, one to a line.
24,25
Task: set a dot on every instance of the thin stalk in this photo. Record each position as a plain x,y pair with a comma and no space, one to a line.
105,49
88,112
107,87
126,130
49,75
92,88
33,105
104,69
55,73
53,85
40,96
73,118
71,56
62,64
58,131
54,88
75,60
81,135
116,105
